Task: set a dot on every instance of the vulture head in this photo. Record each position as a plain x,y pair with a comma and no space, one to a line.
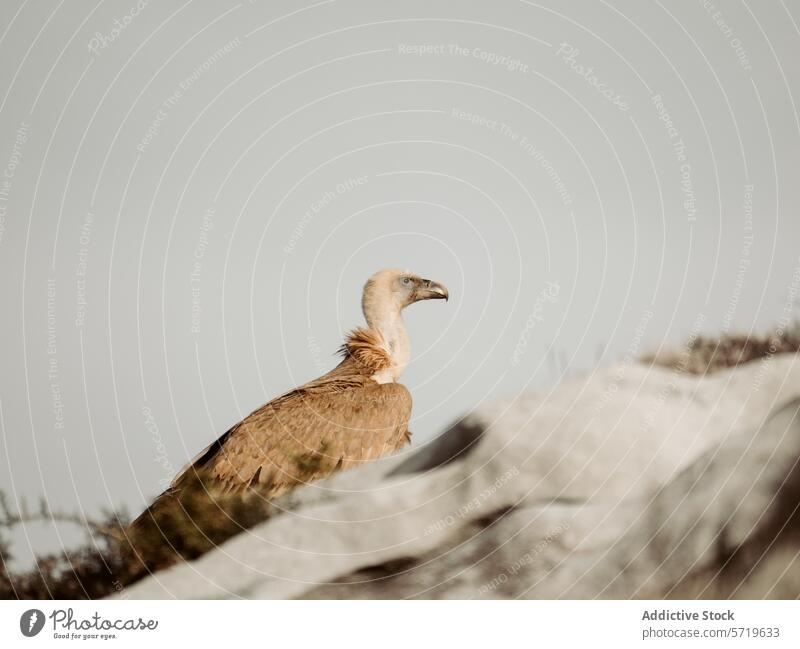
384,346
394,290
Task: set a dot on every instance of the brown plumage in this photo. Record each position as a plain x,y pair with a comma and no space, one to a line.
355,413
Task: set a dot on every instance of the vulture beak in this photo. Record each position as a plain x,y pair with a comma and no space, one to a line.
430,290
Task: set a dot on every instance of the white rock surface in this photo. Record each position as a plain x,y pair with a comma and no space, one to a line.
635,481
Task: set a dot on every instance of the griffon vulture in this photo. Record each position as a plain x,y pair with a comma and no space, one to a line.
354,413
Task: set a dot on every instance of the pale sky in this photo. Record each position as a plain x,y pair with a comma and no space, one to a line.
191,203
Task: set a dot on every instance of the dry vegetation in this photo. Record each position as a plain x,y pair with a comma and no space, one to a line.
120,555
705,355
201,520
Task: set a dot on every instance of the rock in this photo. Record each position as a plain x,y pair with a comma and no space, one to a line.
635,481
710,527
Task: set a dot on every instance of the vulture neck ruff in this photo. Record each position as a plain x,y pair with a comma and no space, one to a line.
369,350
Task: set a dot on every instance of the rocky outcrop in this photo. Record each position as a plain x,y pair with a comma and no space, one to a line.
636,481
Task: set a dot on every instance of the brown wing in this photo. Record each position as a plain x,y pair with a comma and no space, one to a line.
335,422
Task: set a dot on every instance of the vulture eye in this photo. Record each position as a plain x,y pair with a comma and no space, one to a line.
406,281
